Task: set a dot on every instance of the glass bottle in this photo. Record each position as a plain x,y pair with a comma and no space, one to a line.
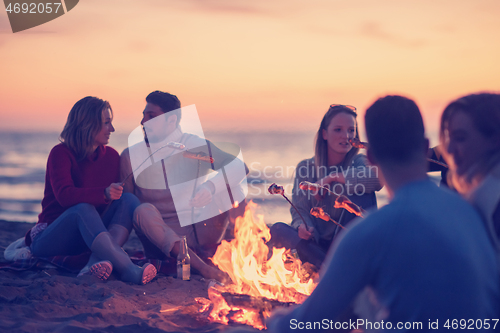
183,261
294,253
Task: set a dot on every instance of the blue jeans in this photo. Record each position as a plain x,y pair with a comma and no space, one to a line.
73,232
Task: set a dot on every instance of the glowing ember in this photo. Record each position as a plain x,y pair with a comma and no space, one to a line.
245,260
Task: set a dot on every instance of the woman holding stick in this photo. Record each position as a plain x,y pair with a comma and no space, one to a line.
81,181
337,166
470,133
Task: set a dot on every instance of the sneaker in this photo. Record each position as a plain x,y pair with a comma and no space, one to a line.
102,270
148,273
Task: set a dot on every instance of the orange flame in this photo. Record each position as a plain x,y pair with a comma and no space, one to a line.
245,260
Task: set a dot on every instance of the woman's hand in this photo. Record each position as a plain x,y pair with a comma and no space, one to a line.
114,191
203,195
334,177
305,234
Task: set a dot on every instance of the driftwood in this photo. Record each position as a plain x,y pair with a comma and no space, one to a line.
254,309
260,304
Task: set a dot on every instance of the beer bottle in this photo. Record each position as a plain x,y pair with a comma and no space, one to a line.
183,261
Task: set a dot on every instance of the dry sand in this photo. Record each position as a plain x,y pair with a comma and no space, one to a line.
52,300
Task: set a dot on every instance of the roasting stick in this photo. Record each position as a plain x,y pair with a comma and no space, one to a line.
305,185
364,145
173,145
198,156
341,201
437,162
320,213
276,189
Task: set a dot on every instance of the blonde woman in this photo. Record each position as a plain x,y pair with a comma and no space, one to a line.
81,181
336,164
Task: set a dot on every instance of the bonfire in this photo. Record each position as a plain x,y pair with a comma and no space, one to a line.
261,280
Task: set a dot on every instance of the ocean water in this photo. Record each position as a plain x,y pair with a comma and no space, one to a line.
270,156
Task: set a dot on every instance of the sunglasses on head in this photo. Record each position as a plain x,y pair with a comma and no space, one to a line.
347,106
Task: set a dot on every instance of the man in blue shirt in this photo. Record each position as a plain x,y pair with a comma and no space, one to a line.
425,259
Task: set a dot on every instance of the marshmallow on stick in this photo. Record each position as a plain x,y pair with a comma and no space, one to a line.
321,214
341,201
344,202
276,189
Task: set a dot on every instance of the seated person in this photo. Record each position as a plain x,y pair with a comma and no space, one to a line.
425,257
83,207
338,166
160,219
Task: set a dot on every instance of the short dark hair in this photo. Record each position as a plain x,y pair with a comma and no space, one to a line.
395,129
167,102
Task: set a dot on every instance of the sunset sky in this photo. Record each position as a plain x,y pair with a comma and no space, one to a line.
248,64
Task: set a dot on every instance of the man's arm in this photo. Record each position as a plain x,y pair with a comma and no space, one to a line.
349,271
230,169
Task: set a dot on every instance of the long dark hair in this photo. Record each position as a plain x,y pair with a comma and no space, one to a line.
321,145
484,111
83,124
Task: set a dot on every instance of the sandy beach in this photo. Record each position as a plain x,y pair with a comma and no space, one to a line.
51,300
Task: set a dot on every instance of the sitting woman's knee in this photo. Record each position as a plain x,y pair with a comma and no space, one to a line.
130,200
278,228
82,208
282,235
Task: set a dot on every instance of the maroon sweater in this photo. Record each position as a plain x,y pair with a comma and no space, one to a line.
69,182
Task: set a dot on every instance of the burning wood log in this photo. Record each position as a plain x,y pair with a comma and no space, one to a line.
260,304
320,213
242,308
226,312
